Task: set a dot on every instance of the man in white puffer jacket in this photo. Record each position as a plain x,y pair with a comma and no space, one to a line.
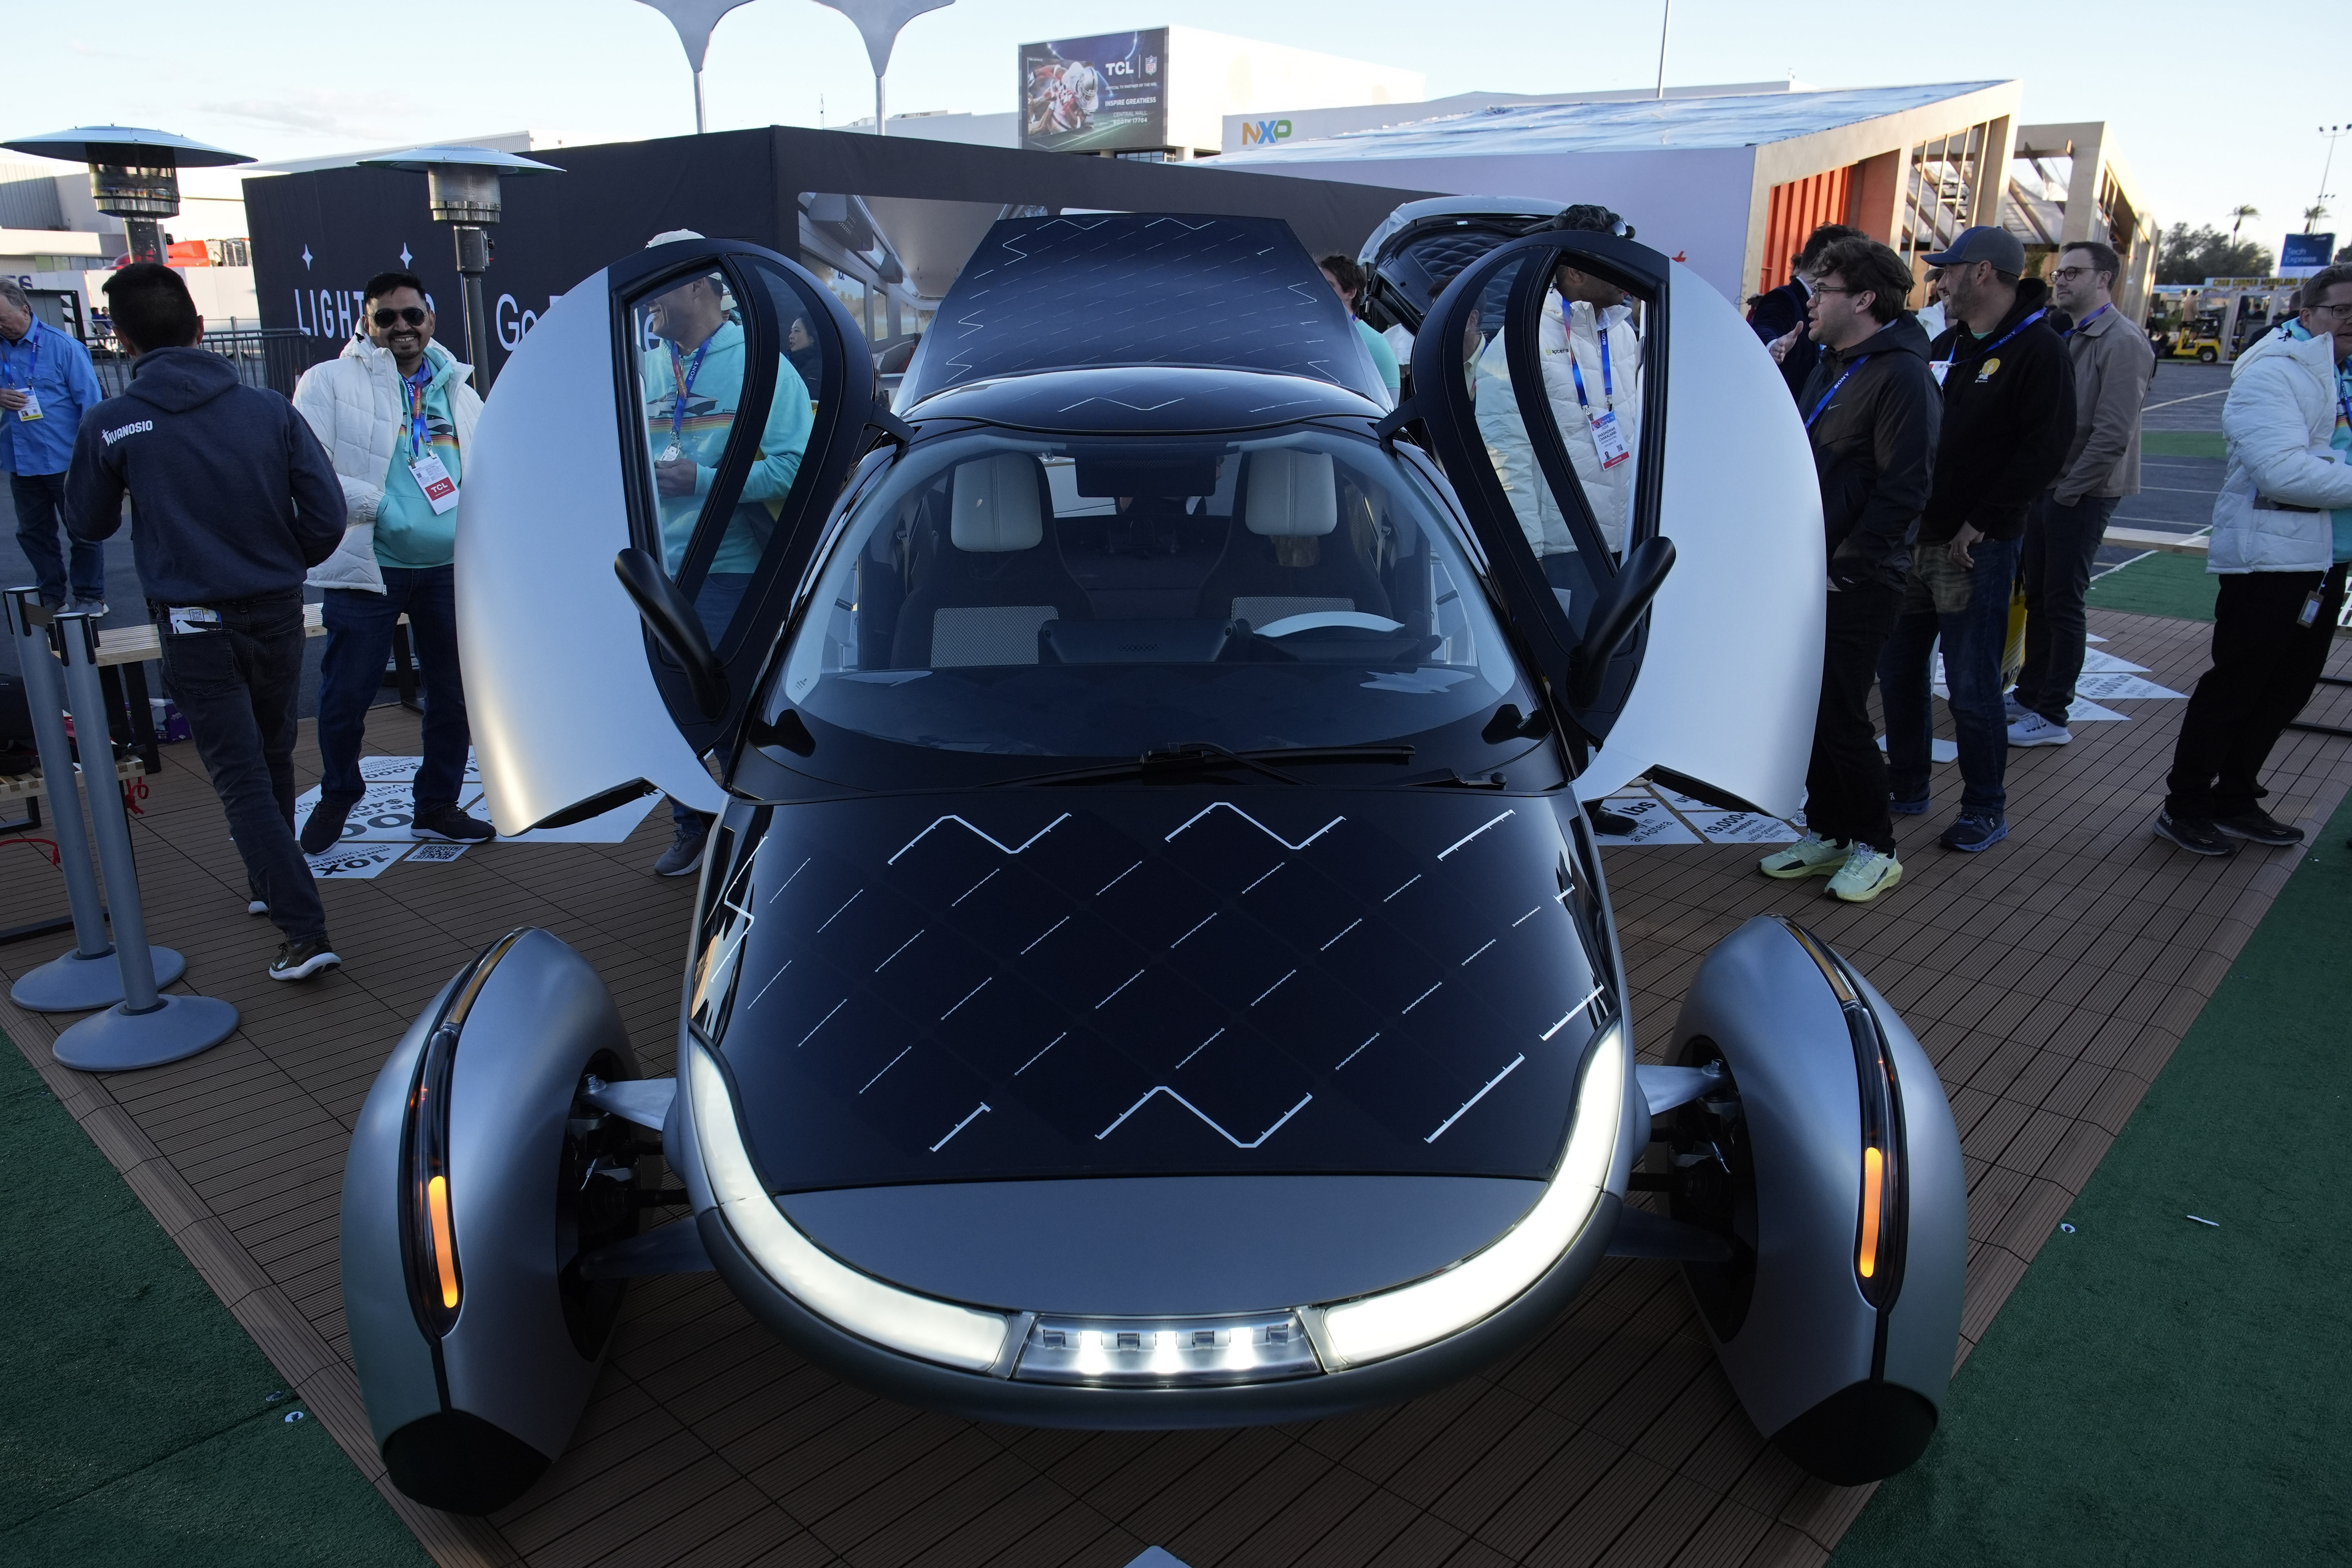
396,415
2282,537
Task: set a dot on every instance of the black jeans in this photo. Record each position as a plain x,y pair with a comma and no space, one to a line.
1846,783
40,506
2264,667
2055,568
239,687
359,639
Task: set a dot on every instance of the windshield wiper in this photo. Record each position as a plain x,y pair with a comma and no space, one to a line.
1186,758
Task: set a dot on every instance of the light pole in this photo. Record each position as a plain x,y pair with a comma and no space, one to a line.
462,186
2334,133
134,174
1665,24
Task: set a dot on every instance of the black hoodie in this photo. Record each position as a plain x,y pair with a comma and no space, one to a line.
1873,447
2008,419
231,494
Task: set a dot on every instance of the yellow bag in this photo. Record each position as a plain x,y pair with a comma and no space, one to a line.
2013,657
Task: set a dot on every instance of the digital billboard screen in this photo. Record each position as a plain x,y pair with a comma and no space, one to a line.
1106,94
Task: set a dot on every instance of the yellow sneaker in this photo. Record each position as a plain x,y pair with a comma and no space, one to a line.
1812,855
1865,874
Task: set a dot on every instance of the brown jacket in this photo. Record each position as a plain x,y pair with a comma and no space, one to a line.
2113,364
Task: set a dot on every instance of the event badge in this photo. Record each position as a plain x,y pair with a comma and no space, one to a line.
187,620
432,478
32,409
670,454
1940,368
1608,440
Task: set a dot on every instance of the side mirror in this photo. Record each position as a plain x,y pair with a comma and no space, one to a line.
1629,593
671,619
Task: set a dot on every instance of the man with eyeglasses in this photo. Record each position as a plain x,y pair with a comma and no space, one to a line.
1778,316
2008,421
2282,536
2112,365
397,413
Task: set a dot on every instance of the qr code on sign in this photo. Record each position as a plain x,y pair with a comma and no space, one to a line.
437,851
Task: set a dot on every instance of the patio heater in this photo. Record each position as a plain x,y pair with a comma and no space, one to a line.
461,184
134,173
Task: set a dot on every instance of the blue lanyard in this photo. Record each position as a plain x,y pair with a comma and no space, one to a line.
1832,392
2081,324
7,364
1601,330
416,428
682,381
2012,331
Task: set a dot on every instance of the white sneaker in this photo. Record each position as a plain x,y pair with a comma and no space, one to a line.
1812,855
2011,708
2034,730
1865,874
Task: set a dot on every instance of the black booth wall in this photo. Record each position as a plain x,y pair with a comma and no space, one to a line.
319,237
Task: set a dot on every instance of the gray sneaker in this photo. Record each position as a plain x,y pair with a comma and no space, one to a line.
684,856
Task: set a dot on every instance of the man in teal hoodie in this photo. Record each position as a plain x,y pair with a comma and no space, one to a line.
692,377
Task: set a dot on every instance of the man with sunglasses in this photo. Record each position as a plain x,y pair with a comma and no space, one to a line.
2112,365
2282,537
397,413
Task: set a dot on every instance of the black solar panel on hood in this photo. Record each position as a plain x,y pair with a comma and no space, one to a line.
1140,289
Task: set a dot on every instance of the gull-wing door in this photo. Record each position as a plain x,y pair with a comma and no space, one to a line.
1586,396
700,402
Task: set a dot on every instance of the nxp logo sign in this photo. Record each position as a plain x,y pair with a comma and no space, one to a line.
1257,132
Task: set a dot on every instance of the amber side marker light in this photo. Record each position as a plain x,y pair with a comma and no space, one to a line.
445,1253
1873,1171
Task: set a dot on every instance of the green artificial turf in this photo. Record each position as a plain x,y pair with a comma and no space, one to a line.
2182,444
2159,584
141,1426
2158,1390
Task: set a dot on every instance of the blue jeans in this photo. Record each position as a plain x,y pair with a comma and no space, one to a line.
239,687
359,641
1968,610
40,505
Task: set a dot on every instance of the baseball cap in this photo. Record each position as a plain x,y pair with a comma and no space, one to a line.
1985,242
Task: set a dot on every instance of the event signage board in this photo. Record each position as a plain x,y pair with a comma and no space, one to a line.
2304,254
1103,94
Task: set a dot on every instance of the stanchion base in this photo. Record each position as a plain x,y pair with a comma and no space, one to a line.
75,984
117,1041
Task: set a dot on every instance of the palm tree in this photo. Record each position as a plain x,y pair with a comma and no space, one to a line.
2312,214
2238,214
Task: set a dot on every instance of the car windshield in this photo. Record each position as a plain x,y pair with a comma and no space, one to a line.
1094,597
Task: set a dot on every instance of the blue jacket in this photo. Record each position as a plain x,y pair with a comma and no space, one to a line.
233,497
56,369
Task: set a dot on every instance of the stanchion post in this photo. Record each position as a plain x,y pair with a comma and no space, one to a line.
87,977
145,1028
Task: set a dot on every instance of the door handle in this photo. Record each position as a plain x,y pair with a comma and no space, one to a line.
670,617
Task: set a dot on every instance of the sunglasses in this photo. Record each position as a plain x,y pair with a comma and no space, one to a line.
413,314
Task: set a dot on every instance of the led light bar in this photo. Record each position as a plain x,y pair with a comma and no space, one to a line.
1393,1321
1167,1352
934,1331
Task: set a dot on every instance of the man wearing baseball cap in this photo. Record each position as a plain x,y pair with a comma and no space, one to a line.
2009,420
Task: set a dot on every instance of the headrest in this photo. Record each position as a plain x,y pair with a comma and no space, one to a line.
1292,494
995,505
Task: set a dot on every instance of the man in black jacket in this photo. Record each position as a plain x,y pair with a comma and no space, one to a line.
2008,419
1778,318
233,501
1872,412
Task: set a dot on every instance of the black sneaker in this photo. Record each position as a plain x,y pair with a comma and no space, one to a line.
300,960
2199,838
324,829
1973,832
684,856
1611,823
2256,826
451,823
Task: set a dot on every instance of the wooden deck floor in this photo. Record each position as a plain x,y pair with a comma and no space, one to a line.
2051,979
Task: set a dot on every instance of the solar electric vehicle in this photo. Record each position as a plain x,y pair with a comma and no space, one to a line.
1151,969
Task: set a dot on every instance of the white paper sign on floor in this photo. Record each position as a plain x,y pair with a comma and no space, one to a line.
1938,750
1654,823
352,862
2085,711
1742,827
2097,663
2121,687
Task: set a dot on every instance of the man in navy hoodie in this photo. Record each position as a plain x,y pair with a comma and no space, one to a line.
234,501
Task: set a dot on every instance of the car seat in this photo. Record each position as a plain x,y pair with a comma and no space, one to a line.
1292,557
984,582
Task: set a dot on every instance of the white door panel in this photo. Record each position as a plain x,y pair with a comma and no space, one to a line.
1731,675
562,701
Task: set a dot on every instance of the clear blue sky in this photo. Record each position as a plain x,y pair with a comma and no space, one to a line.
2204,124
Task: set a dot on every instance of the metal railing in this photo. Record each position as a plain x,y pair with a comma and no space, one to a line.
272,357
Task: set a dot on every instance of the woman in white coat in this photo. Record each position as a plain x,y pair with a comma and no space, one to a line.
2282,537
